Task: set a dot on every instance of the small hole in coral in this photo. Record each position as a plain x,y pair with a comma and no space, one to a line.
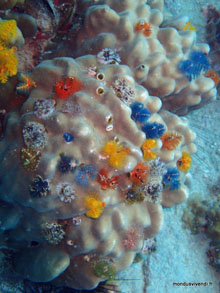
116,139
34,243
110,119
100,76
100,91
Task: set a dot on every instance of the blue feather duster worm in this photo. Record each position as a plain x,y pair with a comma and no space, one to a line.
192,67
84,173
171,179
200,60
153,130
139,112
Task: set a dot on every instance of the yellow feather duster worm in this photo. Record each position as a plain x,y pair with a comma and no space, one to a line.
8,31
8,63
184,163
94,205
116,154
146,148
8,58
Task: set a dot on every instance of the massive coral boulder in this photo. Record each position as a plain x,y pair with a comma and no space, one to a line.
85,168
